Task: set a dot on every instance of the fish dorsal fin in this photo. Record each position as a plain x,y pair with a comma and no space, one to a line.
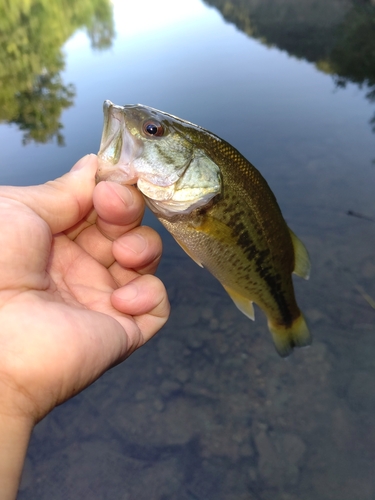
243,304
302,264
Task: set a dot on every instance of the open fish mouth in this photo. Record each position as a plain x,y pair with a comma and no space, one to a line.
118,148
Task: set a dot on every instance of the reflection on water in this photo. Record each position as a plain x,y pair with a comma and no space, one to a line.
207,410
32,93
338,36
305,29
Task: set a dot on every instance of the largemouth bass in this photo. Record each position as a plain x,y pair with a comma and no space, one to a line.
216,205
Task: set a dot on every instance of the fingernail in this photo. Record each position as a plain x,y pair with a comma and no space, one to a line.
82,162
135,242
128,292
127,196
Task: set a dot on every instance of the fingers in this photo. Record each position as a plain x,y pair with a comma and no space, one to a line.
144,298
140,249
117,235
119,208
64,201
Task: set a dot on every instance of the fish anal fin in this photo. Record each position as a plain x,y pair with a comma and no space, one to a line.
285,338
302,264
244,305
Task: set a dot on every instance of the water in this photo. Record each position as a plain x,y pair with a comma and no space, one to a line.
207,410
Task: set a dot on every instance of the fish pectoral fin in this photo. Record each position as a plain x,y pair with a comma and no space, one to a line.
186,250
285,338
244,305
215,228
302,264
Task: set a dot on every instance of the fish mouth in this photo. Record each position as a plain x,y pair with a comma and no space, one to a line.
118,148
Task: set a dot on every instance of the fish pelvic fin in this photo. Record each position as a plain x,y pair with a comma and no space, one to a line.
286,338
302,264
244,305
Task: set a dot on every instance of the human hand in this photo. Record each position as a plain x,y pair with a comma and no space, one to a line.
76,296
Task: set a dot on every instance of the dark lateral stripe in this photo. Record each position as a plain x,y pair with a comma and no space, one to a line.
265,272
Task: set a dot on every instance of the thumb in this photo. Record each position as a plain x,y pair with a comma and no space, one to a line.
61,202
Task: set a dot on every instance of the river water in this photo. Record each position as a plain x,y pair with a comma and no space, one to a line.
207,410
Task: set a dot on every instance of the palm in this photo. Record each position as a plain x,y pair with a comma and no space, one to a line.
65,314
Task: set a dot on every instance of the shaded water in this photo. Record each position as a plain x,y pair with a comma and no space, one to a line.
207,410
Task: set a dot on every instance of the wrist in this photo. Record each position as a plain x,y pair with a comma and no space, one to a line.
15,434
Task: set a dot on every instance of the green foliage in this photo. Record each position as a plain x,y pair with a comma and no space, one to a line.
39,110
32,33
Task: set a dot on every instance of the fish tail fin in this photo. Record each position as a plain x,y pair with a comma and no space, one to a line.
295,335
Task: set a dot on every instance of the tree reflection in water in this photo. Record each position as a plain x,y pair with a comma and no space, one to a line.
336,35
353,56
32,33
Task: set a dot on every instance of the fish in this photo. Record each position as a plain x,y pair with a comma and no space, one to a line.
217,206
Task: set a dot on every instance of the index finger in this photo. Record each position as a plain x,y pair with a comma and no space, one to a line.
119,208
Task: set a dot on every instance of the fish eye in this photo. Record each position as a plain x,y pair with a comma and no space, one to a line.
153,128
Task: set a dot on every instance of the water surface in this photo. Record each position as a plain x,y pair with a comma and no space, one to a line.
207,409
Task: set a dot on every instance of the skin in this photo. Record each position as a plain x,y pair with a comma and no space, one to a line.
77,296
